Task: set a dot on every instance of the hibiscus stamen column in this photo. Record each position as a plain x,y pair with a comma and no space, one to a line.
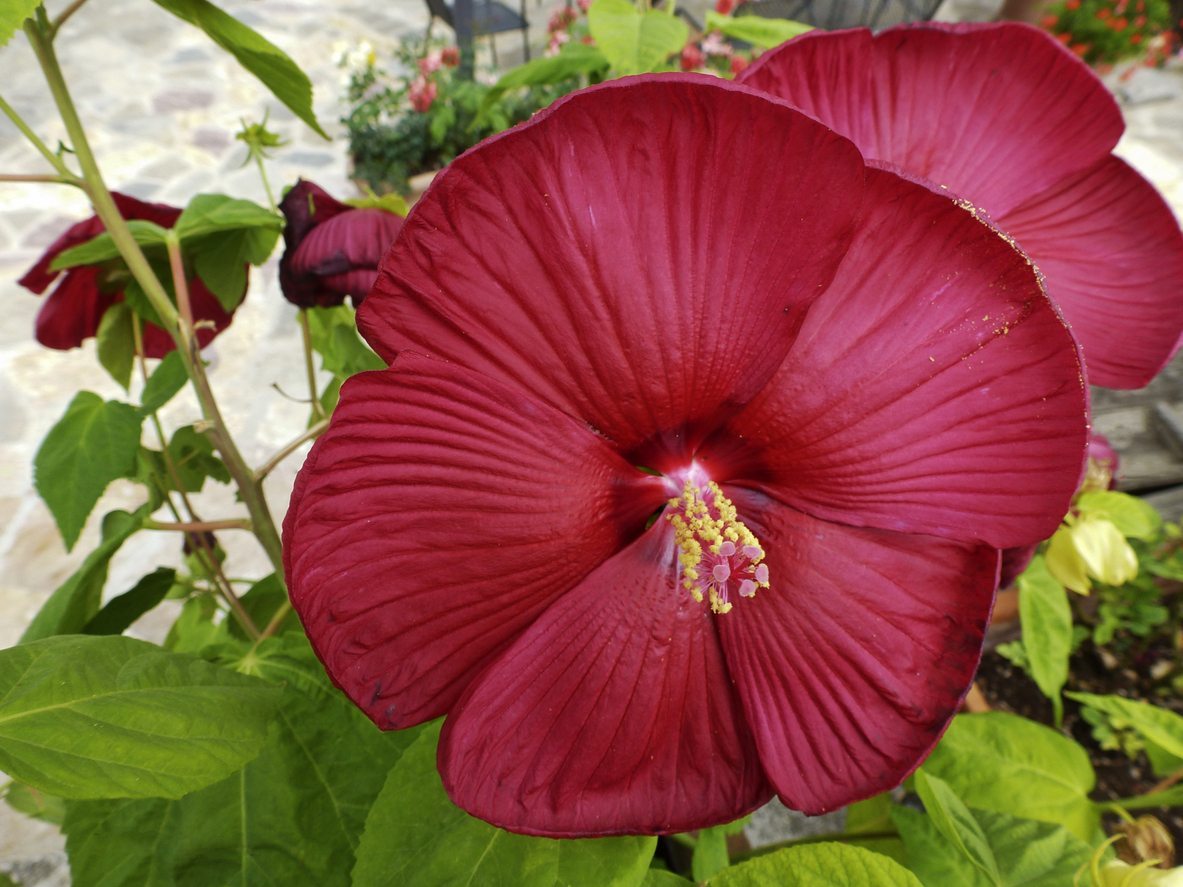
716,551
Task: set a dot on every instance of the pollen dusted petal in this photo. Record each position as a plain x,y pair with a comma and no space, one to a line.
932,389
852,666
438,516
993,112
613,714
1112,254
636,255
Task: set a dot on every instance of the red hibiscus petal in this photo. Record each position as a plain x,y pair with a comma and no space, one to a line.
612,714
72,312
339,257
853,662
636,255
933,388
433,522
1112,253
993,112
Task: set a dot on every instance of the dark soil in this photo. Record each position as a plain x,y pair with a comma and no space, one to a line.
1008,688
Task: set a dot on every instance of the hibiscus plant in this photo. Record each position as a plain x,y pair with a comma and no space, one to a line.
670,464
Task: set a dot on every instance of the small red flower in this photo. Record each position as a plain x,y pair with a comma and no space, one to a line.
1049,21
561,19
692,58
331,249
1072,5
662,508
725,7
422,93
431,63
1104,14
1135,39
1065,39
450,56
73,311
1081,49
1025,132
738,65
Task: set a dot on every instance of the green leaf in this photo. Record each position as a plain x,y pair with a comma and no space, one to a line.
12,16
221,235
871,815
1029,853
416,837
77,600
101,248
35,804
193,456
94,443
633,41
664,878
166,380
572,60
954,821
1046,617
1135,517
334,337
1008,764
1162,727
116,343
818,865
756,30
254,52
122,611
111,717
292,816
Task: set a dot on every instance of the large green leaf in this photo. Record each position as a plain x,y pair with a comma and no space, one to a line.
1008,764
634,41
818,865
254,52
1162,727
75,602
94,443
12,16
1047,630
416,837
949,815
113,717
756,30
1028,853
292,816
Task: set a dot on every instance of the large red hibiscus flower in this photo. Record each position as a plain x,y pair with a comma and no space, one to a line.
686,481
75,308
1004,116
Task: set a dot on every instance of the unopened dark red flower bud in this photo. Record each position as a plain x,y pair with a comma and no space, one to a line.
692,58
331,249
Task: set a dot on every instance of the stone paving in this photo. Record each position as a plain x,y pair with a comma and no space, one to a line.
161,104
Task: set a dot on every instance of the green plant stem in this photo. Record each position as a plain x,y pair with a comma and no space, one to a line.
35,141
266,183
249,488
273,626
313,432
197,540
318,410
40,178
63,17
207,526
